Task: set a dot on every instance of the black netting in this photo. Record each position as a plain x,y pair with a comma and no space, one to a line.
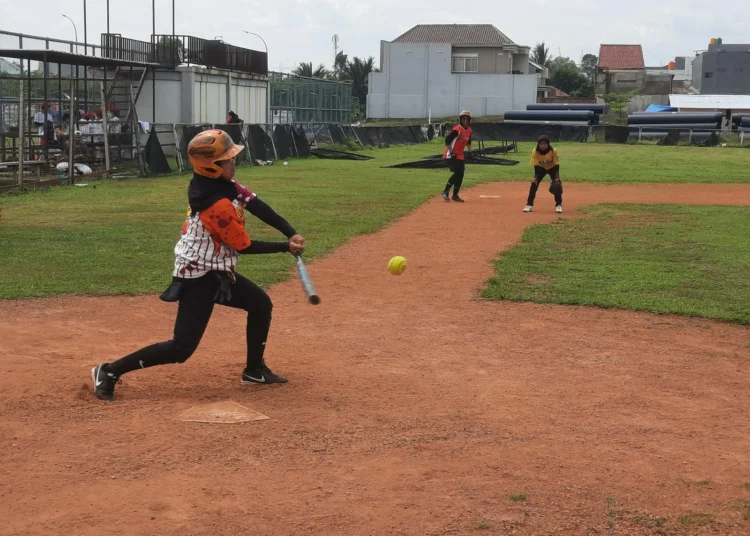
350,134
154,154
672,138
530,132
300,141
703,140
319,133
439,163
615,134
338,155
188,133
282,139
418,134
234,131
260,144
337,134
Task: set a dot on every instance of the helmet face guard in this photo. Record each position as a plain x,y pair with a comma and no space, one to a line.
208,148
543,139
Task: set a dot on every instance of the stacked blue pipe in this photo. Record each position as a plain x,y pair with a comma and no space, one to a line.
745,123
657,124
738,118
554,117
596,108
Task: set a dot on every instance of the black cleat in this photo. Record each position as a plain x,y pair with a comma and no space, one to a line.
444,195
261,376
457,199
104,382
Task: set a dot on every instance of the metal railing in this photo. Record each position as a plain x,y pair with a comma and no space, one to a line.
14,40
164,50
116,47
189,50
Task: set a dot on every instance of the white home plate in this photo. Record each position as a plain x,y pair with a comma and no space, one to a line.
489,197
227,412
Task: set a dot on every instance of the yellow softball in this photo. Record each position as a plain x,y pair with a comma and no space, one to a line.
397,265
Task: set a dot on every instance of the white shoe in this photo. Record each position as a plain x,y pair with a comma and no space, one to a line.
558,209
528,208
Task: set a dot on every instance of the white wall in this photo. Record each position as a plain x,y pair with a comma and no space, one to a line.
210,99
197,95
168,90
249,100
417,80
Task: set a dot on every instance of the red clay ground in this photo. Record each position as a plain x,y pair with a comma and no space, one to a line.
412,408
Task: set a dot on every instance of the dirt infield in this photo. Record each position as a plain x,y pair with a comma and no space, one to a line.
412,407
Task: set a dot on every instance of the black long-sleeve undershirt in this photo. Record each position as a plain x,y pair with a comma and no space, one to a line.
260,248
267,215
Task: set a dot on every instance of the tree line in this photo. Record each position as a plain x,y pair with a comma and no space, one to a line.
577,80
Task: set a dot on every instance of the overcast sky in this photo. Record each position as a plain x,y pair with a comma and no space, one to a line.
301,30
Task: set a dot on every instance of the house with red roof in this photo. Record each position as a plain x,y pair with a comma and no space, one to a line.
621,69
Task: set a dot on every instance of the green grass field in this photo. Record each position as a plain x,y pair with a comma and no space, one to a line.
661,258
118,238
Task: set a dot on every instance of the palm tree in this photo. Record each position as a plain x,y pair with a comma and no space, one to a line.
358,72
306,69
540,55
339,66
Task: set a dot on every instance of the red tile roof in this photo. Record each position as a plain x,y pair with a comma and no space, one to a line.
560,93
621,57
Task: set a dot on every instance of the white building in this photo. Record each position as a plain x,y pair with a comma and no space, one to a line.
681,69
438,70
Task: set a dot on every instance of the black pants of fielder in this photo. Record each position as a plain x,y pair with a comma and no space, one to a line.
458,168
555,187
193,313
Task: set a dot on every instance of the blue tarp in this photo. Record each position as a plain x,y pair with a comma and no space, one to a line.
660,108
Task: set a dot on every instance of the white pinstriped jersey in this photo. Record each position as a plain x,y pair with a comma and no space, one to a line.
211,238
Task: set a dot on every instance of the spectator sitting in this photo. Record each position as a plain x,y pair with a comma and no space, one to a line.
80,154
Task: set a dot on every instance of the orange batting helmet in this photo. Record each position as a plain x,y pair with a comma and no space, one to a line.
208,148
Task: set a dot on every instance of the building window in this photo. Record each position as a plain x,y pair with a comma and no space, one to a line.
465,63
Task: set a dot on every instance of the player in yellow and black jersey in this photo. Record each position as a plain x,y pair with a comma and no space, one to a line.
545,160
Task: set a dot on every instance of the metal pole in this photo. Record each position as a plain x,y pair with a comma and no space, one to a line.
107,17
85,35
71,133
172,22
21,131
153,71
153,95
46,76
106,130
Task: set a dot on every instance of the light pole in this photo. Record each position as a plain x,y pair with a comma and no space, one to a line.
74,29
258,36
